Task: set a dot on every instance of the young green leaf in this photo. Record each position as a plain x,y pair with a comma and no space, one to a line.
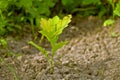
108,22
58,46
63,24
52,28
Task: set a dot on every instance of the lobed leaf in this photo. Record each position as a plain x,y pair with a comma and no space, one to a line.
52,28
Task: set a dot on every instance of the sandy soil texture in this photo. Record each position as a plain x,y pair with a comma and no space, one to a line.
91,54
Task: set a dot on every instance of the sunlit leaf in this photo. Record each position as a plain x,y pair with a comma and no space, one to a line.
53,27
63,24
108,22
58,46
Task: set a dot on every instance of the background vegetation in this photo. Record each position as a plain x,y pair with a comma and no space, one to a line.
14,14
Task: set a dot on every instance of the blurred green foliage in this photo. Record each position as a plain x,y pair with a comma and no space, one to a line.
3,43
115,12
117,9
15,13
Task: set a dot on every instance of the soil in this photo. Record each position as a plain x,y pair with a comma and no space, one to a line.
91,54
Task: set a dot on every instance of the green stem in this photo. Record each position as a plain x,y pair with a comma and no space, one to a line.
113,7
42,37
113,17
32,26
44,52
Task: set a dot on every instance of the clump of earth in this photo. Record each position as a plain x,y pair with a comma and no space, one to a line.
91,54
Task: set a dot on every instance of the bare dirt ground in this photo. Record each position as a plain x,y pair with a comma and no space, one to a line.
91,54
